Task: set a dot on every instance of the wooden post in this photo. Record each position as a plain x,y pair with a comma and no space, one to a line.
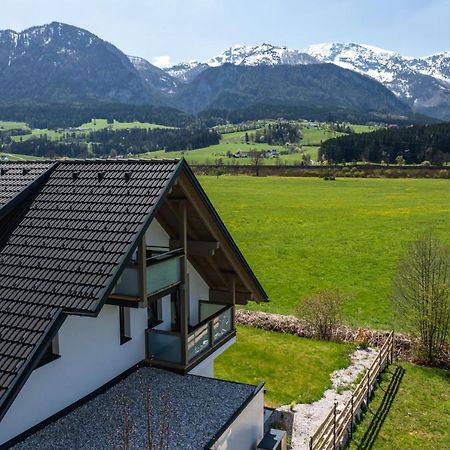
184,294
142,270
311,443
334,425
351,419
368,389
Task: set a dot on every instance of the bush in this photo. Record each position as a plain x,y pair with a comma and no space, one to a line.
323,311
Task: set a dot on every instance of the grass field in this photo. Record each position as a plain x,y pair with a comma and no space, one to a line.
93,125
14,157
417,417
294,369
5,125
303,234
235,141
100,124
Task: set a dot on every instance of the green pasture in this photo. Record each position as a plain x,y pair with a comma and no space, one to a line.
416,416
294,369
301,235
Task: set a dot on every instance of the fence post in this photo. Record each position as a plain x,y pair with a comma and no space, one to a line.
334,425
351,420
392,347
368,388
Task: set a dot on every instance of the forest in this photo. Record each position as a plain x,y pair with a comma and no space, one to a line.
410,145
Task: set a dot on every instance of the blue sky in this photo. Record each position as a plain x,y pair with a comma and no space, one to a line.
178,30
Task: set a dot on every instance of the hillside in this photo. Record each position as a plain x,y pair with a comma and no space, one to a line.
318,87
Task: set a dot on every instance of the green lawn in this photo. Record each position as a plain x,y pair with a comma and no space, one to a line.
294,369
14,157
304,234
100,124
7,125
418,417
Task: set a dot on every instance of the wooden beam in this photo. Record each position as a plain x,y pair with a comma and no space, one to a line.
229,297
142,270
184,288
197,248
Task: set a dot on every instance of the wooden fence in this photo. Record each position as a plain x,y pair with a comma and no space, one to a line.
337,428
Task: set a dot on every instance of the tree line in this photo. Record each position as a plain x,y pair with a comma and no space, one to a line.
109,142
411,145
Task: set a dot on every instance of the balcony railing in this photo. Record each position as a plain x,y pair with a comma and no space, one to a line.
166,346
163,270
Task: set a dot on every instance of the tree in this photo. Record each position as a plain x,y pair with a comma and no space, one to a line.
400,160
257,158
323,311
421,294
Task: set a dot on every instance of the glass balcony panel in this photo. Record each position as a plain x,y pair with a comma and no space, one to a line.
222,325
163,274
207,309
199,341
164,346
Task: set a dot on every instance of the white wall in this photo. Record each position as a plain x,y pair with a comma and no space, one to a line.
247,430
91,355
198,290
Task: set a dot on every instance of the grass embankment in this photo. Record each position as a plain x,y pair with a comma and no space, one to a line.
301,234
417,416
293,368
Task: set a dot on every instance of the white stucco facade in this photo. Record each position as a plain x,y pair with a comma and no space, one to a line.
247,430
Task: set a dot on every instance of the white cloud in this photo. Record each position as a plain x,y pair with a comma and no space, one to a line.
162,61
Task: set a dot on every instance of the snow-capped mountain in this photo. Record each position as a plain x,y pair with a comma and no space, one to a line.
153,76
424,83
243,55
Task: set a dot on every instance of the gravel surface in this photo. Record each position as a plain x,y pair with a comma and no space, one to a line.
191,408
308,417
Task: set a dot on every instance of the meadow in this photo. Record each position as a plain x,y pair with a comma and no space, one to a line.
235,141
301,377
301,235
417,417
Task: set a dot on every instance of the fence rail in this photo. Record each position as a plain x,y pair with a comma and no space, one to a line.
337,427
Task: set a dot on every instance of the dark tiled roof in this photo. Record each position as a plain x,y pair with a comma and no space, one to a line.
66,246
15,177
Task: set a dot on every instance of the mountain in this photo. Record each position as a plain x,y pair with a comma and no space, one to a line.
63,63
422,83
153,77
243,55
318,87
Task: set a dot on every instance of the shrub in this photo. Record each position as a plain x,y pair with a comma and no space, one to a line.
323,311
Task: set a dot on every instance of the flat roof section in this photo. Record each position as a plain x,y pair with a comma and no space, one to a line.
185,412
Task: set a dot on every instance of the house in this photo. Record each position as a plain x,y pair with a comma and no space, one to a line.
118,283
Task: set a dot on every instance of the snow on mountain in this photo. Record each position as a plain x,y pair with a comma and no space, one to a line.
246,55
424,82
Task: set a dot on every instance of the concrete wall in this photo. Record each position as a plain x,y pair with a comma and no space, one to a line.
247,430
91,355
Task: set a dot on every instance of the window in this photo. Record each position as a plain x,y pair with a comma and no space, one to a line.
125,327
51,352
155,312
